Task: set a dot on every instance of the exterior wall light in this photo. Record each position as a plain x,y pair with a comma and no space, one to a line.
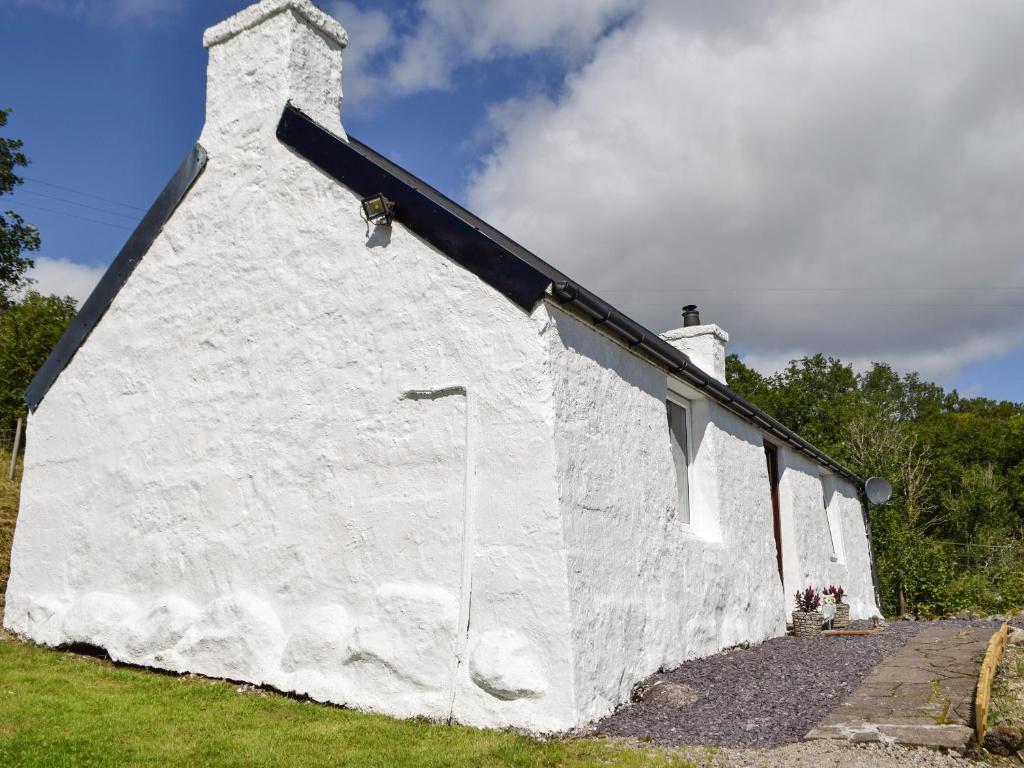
377,209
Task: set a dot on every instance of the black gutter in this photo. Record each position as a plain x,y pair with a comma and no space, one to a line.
116,275
677,363
865,512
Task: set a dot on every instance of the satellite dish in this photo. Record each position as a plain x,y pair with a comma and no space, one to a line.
878,490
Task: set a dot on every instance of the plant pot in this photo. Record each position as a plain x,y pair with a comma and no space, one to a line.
842,619
807,624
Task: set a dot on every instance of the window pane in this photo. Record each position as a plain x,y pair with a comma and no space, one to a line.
680,457
825,494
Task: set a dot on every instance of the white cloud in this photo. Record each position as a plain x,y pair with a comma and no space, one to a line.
420,49
371,35
709,151
65,278
107,11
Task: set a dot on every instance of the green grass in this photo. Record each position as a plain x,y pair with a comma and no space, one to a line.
61,709
1008,690
8,511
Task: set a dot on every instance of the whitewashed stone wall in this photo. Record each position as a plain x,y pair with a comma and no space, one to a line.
807,557
647,591
348,468
229,478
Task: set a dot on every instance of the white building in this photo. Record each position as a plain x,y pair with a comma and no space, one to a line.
416,470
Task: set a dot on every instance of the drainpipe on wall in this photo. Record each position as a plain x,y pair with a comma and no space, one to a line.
871,547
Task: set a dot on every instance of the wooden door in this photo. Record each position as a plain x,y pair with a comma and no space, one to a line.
771,454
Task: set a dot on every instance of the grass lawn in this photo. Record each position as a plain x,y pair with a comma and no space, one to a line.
61,709
8,511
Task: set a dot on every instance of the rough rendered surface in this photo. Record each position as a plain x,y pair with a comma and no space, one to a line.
231,479
823,535
260,12
648,591
338,464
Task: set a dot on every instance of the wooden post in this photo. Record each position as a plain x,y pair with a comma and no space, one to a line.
14,451
983,694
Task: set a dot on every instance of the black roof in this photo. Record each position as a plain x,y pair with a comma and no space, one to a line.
466,239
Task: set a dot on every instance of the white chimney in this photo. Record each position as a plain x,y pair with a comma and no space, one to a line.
703,344
261,58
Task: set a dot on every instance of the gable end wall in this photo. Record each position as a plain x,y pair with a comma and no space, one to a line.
289,454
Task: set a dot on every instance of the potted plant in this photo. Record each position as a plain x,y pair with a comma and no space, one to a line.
842,619
807,618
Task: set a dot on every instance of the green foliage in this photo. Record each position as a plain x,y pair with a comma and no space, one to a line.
953,535
29,329
809,600
15,235
8,512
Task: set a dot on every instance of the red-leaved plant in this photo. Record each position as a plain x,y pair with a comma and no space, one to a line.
837,592
808,601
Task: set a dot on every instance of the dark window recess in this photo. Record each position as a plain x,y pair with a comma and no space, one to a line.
677,430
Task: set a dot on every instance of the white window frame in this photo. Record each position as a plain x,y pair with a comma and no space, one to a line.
686,405
833,520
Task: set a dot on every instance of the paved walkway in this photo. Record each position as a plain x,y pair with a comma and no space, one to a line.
922,694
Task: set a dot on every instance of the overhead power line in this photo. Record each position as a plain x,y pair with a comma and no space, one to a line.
84,194
73,216
81,205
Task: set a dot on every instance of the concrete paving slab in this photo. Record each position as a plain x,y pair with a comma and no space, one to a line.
922,695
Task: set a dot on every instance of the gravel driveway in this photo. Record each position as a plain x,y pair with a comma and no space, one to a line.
765,696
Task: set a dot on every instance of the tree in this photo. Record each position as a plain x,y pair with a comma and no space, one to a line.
953,534
29,329
746,381
981,510
15,235
814,396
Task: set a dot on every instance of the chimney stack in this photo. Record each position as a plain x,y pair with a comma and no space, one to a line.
691,316
261,58
703,344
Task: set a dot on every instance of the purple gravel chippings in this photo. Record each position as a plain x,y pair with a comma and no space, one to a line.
765,696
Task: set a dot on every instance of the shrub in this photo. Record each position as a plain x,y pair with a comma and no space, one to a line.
808,601
836,591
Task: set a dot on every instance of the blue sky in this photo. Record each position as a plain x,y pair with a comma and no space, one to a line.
708,179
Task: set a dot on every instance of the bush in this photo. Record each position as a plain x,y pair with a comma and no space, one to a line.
808,601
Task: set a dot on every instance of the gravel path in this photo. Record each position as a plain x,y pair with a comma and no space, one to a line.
826,754
765,696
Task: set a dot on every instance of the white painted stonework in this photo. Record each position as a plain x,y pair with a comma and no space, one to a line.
293,456
704,345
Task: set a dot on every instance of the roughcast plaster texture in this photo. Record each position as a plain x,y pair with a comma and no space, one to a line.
648,591
823,545
344,466
287,454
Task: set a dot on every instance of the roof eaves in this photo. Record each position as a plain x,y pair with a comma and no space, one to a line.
465,239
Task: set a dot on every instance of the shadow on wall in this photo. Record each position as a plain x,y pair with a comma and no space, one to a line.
626,366
380,238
